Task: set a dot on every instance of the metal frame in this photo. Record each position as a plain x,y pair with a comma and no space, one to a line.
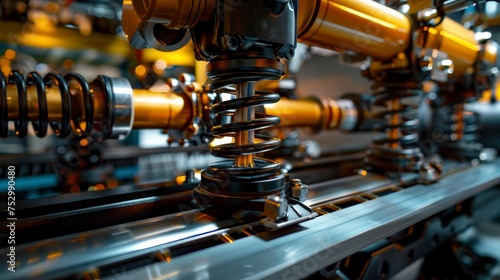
303,250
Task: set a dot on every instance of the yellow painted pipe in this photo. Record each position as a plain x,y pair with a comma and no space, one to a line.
156,110
363,26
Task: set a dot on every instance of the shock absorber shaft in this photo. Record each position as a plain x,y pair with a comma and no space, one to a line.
244,114
393,132
53,103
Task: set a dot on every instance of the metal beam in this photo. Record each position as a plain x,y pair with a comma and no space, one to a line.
297,252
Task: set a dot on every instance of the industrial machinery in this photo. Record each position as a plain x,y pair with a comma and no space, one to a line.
393,209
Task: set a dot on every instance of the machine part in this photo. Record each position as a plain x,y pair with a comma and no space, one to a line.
143,34
393,208
460,128
444,7
317,113
297,190
108,105
162,110
240,54
329,238
123,107
182,108
456,41
382,33
488,122
173,14
365,27
275,207
397,150
64,103
133,26
391,255
244,180
230,34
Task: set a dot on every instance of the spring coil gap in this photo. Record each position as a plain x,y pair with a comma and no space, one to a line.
396,150
68,122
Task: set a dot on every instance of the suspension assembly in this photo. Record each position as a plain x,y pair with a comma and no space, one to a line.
238,55
245,178
458,125
397,150
65,104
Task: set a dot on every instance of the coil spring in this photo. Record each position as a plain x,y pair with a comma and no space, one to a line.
261,121
228,183
69,121
233,71
460,128
396,150
461,124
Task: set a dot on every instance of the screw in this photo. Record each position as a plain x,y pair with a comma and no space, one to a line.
232,43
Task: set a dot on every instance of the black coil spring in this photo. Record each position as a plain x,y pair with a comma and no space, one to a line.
224,183
68,120
387,91
261,121
234,71
459,121
460,128
405,156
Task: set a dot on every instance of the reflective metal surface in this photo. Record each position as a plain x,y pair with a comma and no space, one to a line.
362,26
124,108
457,42
320,242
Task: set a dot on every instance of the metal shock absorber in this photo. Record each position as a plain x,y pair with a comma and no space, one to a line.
243,42
396,151
65,104
459,126
243,180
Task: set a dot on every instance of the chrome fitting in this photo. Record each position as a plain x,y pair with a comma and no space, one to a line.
297,190
123,108
275,208
349,115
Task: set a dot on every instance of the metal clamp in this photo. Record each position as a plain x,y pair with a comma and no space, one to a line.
123,108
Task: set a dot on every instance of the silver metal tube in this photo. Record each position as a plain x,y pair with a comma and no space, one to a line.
451,6
123,107
244,115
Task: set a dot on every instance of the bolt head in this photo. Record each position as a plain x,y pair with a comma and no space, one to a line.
297,190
